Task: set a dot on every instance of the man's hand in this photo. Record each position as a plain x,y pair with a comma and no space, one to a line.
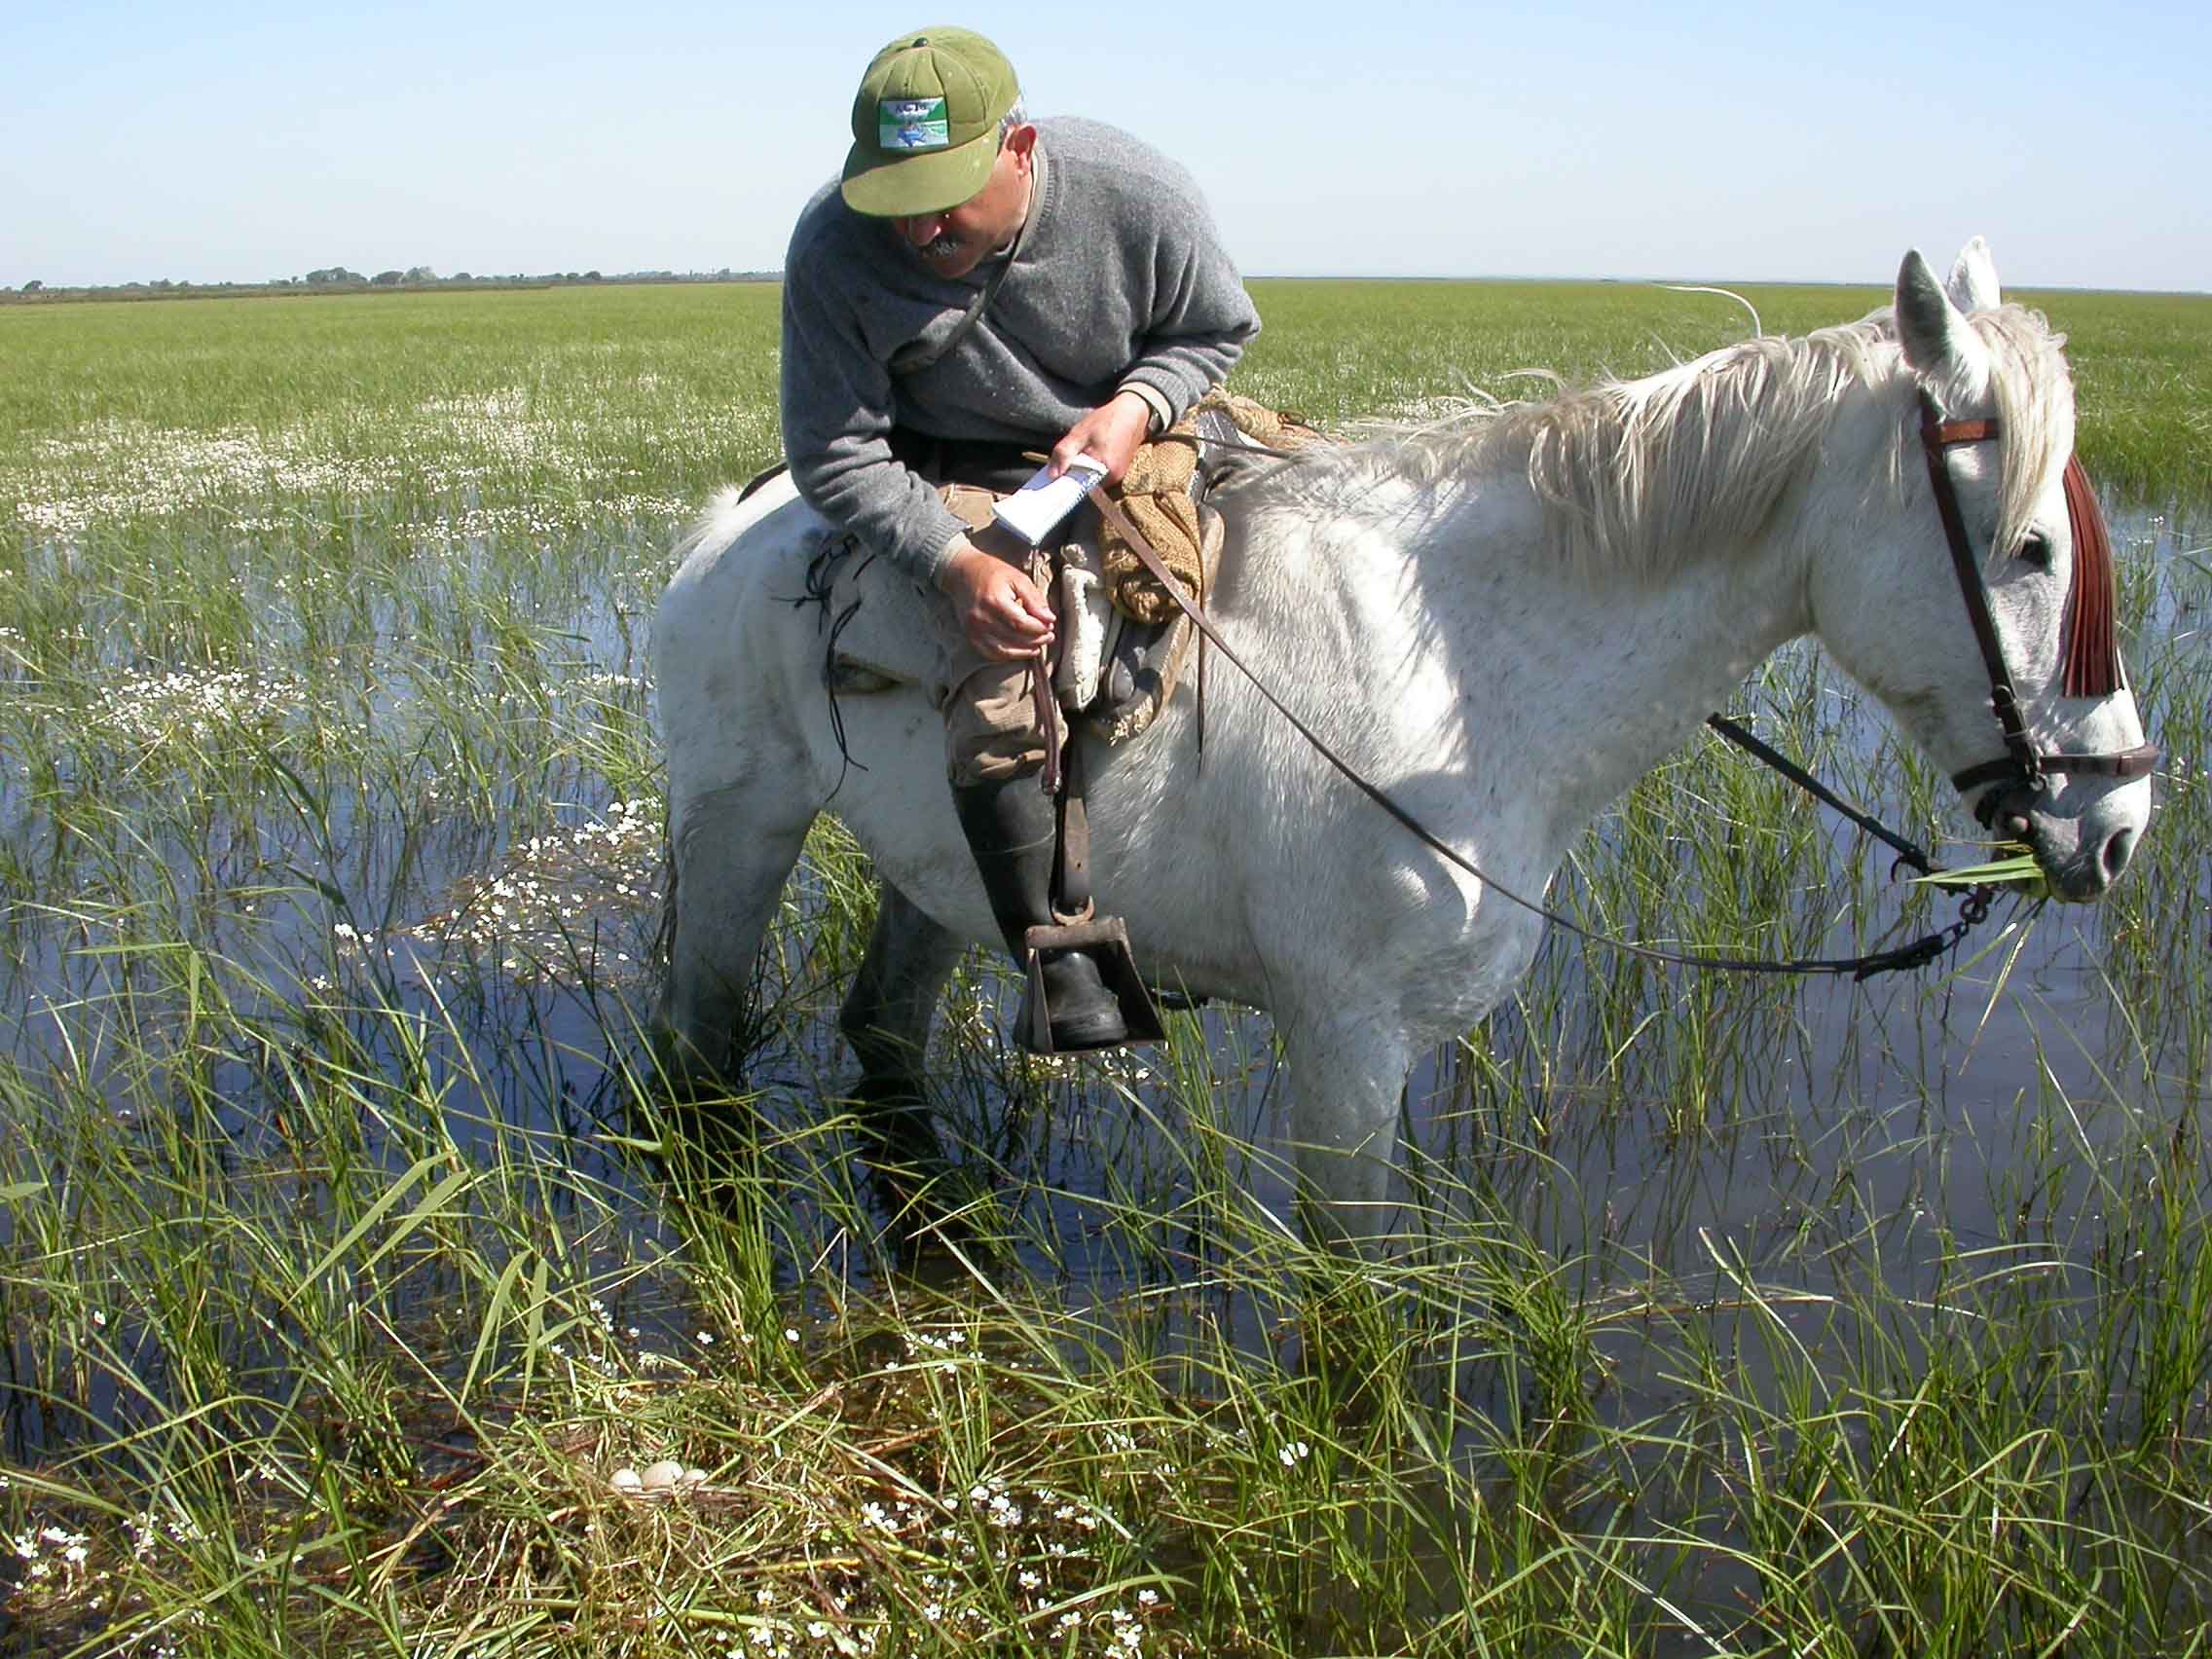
1002,611
1113,432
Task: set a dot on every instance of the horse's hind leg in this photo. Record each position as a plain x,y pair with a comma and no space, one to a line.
732,846
886,1017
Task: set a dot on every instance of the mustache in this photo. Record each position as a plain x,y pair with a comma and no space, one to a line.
944,246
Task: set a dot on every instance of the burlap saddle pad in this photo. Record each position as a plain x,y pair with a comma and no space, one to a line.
1148,639
1164,496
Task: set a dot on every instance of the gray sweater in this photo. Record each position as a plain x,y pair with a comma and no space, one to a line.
1119,279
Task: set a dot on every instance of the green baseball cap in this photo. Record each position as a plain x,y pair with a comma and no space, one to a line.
925,125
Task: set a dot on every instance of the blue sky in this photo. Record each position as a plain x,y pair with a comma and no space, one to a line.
1701,142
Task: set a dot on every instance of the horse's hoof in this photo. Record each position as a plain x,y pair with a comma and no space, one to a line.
947,1210
683,1072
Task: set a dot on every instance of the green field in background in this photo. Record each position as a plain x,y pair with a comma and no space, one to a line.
676,384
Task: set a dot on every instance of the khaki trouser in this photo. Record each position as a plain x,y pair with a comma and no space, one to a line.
991,725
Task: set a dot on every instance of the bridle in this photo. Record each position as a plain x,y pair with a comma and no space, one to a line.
2092,667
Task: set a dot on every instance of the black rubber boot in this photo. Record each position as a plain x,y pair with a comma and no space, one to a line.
1009,826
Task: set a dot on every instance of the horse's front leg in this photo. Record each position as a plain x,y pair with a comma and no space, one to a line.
1347,1073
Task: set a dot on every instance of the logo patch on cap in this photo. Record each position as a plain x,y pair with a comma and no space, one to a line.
912,124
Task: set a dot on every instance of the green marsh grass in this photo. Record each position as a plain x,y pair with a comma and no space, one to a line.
347,1248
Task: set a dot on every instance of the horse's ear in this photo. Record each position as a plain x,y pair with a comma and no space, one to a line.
1937,340
1973,287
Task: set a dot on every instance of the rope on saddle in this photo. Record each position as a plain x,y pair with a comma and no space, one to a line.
822,572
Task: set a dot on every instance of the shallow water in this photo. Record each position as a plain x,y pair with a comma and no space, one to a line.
1823,1132
1830,1132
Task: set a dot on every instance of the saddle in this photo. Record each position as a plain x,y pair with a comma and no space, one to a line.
1124,646
1124,641
1164,499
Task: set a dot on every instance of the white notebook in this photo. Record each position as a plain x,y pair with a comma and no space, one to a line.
1032,510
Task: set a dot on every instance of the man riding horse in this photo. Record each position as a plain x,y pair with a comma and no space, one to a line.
978,286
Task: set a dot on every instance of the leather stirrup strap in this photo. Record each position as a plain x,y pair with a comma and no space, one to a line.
1071,897
1043,700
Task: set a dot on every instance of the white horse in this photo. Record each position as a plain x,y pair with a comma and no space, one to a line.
1505,625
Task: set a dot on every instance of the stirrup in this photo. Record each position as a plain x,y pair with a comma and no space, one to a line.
1106,939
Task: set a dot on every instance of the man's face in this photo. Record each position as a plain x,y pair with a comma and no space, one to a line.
954,242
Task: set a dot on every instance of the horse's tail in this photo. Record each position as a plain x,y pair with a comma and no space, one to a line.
704,526
731,511
726,516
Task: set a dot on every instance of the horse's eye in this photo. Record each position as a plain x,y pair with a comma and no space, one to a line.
2037,551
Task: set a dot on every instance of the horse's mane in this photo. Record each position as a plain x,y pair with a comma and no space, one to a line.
1641,476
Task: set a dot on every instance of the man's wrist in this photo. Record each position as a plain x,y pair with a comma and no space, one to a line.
947,556
1160,415
957,552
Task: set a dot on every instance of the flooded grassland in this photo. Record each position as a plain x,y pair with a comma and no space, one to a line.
348,1255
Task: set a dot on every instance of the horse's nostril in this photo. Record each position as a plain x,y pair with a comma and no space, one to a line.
2119,849
2016,826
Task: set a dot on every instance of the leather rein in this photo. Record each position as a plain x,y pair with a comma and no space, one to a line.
2022,765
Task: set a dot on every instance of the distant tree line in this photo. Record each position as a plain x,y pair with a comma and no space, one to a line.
339,279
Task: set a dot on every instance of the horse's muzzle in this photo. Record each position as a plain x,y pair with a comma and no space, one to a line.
2081,857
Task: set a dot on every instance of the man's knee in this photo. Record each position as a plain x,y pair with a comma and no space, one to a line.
991,725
